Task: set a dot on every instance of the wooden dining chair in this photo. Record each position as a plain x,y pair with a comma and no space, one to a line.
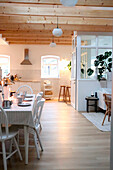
24,88
7,133
35,131
107,98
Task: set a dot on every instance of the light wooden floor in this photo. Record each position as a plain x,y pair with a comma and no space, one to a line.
70,143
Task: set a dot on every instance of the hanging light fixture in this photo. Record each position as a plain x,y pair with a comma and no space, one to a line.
69,2
57,31
53,44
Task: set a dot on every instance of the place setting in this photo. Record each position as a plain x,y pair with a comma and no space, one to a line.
23,100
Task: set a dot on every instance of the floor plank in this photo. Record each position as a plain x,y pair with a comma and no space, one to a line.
70,142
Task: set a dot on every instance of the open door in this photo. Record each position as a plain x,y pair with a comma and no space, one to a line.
73,79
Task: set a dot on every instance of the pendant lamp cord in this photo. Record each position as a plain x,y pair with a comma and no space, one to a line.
57,22
53,39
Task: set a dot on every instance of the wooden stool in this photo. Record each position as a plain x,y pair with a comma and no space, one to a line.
68,93
60,92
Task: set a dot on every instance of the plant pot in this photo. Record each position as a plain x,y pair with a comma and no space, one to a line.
109,76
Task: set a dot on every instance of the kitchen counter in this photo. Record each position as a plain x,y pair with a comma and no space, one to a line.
29,81
34,84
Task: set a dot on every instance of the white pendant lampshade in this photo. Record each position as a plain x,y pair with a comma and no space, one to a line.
52,44
69,2
57,32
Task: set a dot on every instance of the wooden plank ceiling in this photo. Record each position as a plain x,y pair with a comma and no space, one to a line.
32,21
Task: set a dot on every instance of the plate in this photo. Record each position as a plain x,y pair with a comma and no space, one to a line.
28,96
28,100
24,104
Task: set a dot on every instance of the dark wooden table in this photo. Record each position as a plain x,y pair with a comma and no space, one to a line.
88,99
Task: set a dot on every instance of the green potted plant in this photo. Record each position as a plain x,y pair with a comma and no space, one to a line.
69,66
103,63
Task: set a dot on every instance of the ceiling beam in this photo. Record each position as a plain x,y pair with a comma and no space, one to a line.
39,39
53,20
33,36
50,27
39,42
100,3
84,12
37,33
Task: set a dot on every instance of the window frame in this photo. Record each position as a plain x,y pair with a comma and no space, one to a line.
8,57
58,65
97,47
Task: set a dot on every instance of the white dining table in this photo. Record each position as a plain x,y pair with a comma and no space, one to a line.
18,115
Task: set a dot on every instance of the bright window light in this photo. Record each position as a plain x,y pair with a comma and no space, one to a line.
50,66
63,64
5,65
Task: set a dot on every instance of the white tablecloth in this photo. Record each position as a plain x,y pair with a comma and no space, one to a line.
21,115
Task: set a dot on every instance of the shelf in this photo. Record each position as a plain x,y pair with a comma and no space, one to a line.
47,85
48,95
47,89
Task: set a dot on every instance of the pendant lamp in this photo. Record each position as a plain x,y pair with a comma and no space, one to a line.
53,44
69,3
57,31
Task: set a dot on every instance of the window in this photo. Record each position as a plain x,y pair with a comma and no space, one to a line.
50,66
5,64
87,61
105,41
88,40
90,47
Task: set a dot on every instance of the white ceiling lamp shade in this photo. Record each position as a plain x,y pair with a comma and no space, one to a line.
69,3
53,44
57,32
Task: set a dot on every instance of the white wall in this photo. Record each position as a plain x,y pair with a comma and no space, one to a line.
85,87
33,72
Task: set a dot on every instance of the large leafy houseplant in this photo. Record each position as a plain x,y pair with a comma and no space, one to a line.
102,64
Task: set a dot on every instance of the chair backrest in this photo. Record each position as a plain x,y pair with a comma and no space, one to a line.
39,109
38,97
4,116
41,93
24,88
107,98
